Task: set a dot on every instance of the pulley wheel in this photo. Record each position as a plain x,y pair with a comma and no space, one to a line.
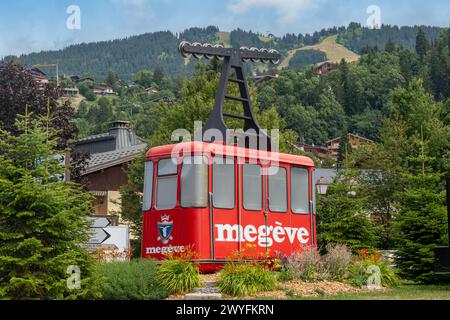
197,56
274,61
208,56
181,47
254,50
265,60
221,47
245,59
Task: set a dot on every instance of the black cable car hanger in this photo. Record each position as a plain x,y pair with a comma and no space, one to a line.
232,59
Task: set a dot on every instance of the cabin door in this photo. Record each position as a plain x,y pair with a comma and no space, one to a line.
279,216
253,216
224,208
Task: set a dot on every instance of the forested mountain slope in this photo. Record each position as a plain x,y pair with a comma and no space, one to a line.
160,49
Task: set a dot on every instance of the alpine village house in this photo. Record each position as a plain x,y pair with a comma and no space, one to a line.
109,155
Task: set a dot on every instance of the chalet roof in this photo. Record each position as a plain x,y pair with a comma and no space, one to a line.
102,86
327,176
81,79
106,150
318,65
350,135
263,78
96,137
120,132
100,161
37,71
324,176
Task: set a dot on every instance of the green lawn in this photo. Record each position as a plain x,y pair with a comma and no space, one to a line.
404,292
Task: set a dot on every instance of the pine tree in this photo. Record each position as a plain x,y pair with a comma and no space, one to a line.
345,148
421,223
421,44
341,214
158,76
345,87
390,46
349,89
111,78
439,68
42,219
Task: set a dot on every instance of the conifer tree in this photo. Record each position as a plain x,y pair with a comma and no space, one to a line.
345,148
342,217
42,219
111,78
421,223
390,46
421,44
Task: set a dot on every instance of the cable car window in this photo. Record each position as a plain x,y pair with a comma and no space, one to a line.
223,183
148,186
299,190
278,190
167,167
166,186
194,182
252,187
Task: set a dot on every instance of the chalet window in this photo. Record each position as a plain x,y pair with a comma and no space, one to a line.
194,182
148,186
223,183
278,190
252,188
299,190
166,187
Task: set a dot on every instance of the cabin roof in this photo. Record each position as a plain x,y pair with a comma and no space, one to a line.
221,149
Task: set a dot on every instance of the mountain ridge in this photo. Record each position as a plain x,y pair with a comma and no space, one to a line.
152,50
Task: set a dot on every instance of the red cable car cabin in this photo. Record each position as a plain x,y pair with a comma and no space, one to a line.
217,200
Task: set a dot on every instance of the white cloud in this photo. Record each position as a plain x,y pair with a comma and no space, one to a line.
288,10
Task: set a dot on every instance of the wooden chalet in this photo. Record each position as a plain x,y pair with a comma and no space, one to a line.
39,76
110,153
152,90
103,90
354,140
323,68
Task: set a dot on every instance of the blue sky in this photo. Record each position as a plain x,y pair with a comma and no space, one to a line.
34,25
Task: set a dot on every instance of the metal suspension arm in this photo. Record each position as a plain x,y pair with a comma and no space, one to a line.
244,54
233,59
